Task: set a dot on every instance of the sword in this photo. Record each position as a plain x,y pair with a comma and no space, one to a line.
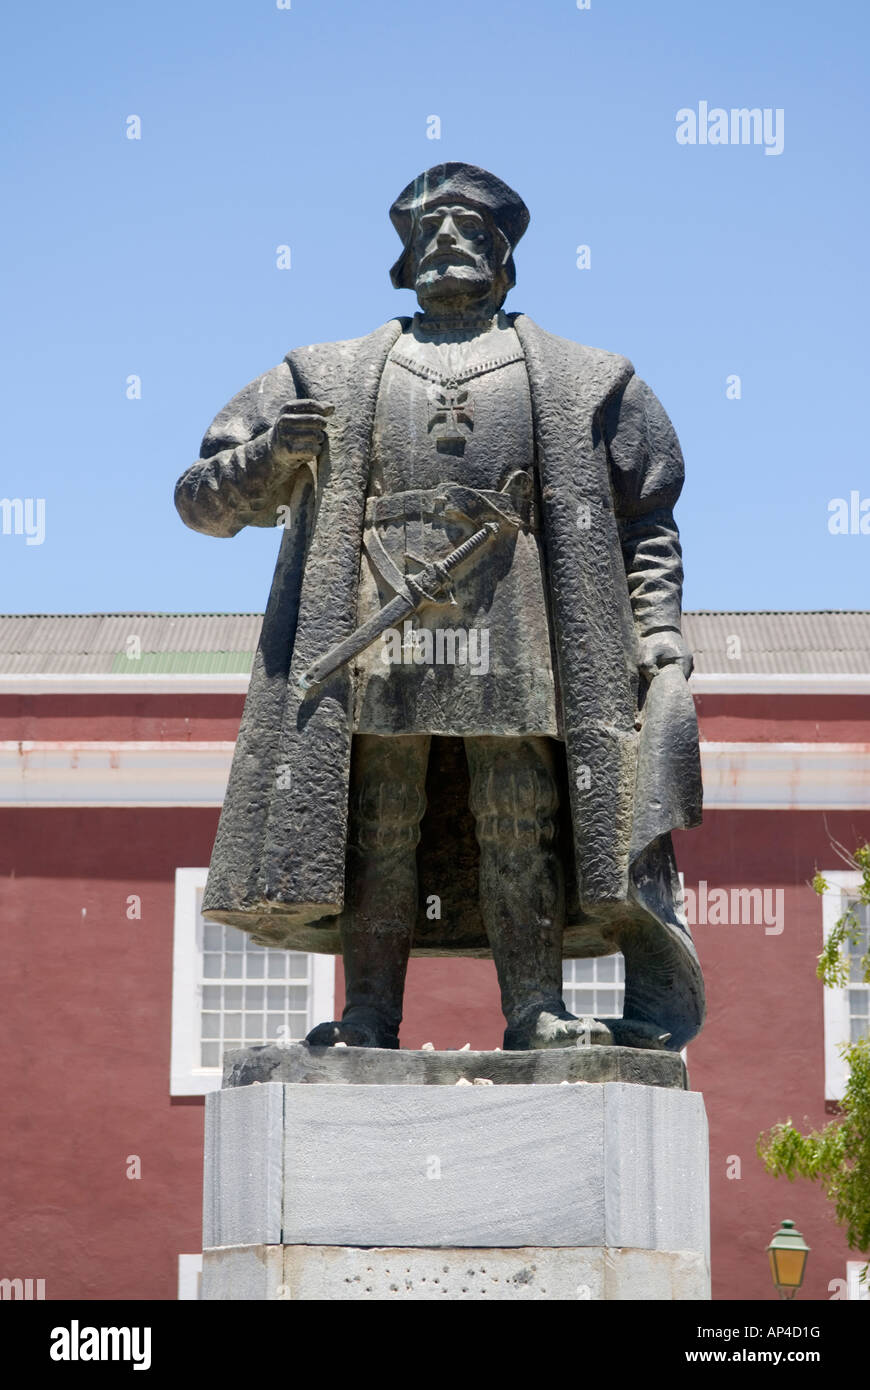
428,585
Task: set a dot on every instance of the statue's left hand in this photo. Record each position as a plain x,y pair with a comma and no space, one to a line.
664,649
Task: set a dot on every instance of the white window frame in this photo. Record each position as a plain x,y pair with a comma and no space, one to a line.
189,1278
842,884
187,1077
570,987
856,1292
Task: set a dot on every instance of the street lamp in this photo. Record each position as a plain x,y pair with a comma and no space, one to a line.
787,1253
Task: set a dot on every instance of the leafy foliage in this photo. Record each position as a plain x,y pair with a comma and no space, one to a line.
838,1155
833,966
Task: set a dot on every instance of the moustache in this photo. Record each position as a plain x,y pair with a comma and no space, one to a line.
446,258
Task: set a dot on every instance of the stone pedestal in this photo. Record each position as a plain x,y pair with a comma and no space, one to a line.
354,1173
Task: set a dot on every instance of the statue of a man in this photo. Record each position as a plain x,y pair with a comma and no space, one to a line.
468,727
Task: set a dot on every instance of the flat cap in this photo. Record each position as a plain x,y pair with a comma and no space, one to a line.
461,183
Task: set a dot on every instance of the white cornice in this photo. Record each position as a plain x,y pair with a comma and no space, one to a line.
780,683
744,776
113,773
786,776
110,683
236,683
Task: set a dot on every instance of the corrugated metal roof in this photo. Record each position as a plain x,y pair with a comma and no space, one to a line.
799,643
78,644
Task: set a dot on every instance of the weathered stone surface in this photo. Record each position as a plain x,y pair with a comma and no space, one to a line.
254,1273
243,1179
441,1165
466,470
360,1066
303,1273
408,1165
657,1179
608,1164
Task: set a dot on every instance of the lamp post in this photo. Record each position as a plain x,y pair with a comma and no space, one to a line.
787,1253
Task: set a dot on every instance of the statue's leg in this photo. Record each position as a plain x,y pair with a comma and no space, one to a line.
387,801
515,801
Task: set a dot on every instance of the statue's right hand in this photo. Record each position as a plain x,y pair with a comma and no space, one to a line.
300,430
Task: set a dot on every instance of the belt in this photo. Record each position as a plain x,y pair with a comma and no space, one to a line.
457,502
512,506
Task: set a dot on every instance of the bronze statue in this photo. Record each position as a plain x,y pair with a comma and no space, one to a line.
468,727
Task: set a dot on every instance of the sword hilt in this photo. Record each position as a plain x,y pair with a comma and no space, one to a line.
444,568
426,586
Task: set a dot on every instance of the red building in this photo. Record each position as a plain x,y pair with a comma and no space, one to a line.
116,733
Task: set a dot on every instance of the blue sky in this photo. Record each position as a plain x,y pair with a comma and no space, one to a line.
262,127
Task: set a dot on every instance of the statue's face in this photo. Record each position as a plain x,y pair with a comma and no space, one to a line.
453,250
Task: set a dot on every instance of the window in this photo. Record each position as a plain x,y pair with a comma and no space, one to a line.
229,993
595,988
858,1290
189,1277
847,1010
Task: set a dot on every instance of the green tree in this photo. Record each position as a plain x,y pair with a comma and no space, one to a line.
838,1155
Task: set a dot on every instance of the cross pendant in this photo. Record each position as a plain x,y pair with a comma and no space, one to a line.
450,408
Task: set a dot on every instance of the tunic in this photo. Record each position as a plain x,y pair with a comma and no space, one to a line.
453,447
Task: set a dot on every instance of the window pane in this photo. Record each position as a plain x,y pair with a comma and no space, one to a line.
584,970
858,1028
608,1003
583,1001
607,968
859,1002
239,1008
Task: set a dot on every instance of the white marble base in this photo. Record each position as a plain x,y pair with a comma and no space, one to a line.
306,1273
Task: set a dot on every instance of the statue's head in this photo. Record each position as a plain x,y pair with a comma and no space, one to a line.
459,226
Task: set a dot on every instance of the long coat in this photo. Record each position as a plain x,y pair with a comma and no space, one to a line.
610,470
